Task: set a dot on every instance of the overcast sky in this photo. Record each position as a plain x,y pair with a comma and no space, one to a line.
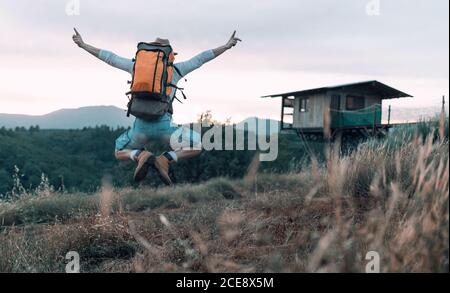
287,45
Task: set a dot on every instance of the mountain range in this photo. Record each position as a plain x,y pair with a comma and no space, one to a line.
70,118
113,117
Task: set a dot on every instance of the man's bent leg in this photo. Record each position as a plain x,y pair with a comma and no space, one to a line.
123,155
130,146
183,151
144,160
186,144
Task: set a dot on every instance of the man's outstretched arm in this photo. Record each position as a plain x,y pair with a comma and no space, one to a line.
106,56
197,61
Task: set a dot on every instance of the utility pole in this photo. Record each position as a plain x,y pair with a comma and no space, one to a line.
443,104
442,120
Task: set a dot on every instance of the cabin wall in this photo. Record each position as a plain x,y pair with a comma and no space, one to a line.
347,119
313,117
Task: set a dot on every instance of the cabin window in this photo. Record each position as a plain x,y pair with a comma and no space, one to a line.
355,103
304,105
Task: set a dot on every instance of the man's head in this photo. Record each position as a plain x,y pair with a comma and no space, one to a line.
161,41
164,42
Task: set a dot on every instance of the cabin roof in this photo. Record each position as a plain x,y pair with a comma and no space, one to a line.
371,87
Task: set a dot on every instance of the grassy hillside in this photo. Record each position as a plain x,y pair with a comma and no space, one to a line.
389,196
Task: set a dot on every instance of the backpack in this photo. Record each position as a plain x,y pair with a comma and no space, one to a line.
151,84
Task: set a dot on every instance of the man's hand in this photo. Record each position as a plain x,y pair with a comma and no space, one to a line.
77,39
233,41
230,44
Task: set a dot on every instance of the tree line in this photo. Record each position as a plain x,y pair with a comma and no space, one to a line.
78,160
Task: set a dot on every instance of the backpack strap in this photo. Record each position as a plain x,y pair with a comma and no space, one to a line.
177,88
177,70
130,101
176,98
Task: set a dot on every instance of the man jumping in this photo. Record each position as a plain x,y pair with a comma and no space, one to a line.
130,145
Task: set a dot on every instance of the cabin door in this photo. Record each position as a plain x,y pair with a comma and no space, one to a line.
335,108
335,102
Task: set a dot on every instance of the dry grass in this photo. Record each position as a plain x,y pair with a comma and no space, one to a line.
392,200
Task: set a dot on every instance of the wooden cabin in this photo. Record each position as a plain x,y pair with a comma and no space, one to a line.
350,106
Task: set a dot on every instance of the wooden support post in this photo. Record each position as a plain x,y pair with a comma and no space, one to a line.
389,115
374,119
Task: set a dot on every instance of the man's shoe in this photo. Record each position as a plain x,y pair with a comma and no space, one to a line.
144,161
161,165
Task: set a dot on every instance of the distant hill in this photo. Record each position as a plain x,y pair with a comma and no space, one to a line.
401,115
254,122
70,118
76,118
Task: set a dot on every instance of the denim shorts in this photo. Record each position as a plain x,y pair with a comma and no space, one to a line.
162,130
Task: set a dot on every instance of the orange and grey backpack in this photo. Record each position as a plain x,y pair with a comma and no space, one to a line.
151,85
